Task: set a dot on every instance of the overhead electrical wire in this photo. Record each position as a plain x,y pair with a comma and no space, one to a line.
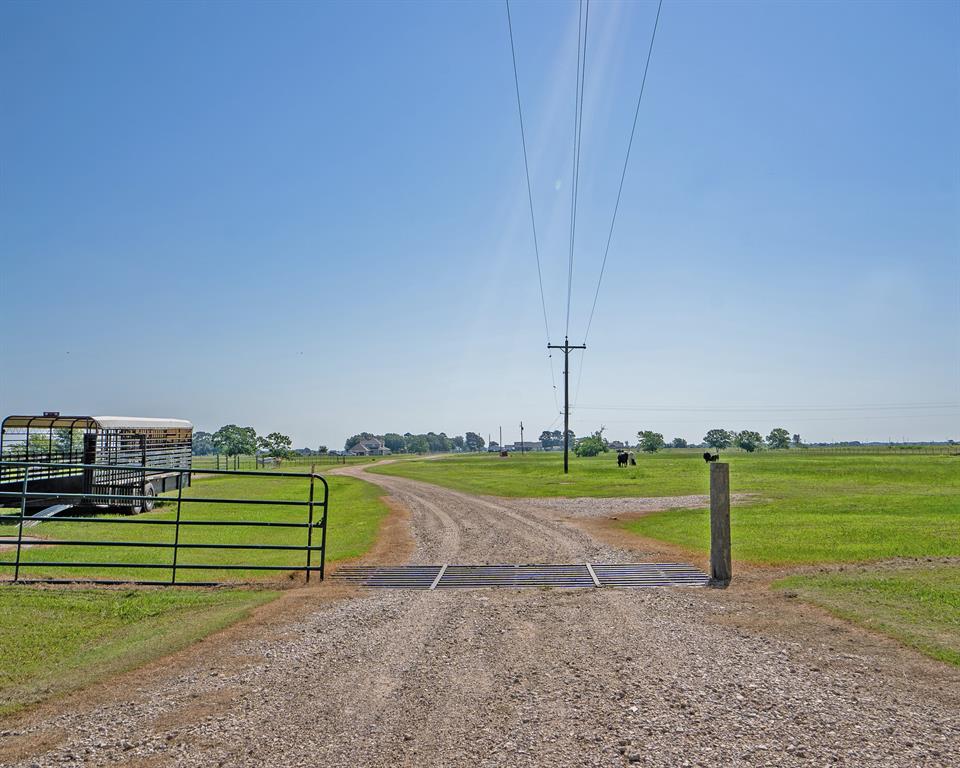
623,174
616,207
777,408
533,220
583,20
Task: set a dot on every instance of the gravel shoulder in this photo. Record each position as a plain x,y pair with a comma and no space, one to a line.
515,677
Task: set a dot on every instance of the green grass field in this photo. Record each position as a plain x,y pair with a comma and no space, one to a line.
355,514
57,639
808,508
918,606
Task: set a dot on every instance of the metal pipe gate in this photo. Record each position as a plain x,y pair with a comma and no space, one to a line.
312,503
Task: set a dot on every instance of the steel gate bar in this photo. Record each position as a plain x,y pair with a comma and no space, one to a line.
173,565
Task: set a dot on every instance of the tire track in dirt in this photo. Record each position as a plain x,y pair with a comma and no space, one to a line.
522,677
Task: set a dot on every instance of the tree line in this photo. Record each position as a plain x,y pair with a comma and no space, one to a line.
429,442
231,440
718,439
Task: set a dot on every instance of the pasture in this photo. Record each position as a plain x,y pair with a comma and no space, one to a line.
806,508
59,638
354,516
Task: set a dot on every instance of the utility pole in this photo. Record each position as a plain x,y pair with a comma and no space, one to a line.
566,347
521,438
501,438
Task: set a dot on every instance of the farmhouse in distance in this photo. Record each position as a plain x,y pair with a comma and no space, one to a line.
372,446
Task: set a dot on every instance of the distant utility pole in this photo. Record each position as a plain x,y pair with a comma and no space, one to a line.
501,438
521,438
566,347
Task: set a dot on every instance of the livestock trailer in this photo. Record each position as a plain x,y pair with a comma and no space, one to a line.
123,442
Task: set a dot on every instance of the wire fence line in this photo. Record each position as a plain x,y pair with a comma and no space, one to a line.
895,449
245,461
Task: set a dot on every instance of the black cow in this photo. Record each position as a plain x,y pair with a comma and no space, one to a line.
622,458
708,457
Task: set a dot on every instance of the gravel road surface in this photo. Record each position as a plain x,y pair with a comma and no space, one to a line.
654,677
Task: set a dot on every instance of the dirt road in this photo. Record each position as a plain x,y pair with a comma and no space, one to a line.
522,677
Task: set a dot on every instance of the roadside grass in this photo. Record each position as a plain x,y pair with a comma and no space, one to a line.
809,507
356,510
822,527
920,607
56,640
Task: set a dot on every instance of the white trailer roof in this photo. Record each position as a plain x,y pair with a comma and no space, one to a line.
140,422
95,422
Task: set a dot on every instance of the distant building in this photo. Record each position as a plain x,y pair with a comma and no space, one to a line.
493,447
527,445
370,447
616,445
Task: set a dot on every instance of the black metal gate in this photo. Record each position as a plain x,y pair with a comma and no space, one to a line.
312,504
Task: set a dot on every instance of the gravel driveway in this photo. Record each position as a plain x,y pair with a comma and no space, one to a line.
521,677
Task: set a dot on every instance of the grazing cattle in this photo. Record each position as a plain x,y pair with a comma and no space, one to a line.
621,458
708,457
633,459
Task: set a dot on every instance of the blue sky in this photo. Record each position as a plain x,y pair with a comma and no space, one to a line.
312,217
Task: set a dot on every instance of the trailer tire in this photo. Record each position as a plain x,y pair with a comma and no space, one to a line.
148,504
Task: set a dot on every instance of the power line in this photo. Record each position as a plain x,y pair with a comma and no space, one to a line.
526,169
623,175
533,220
776,408
583,20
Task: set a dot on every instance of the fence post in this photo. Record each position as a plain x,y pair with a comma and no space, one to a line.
23,513
721,566
176,531
313,470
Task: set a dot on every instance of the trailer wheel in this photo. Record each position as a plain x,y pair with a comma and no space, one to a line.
148,504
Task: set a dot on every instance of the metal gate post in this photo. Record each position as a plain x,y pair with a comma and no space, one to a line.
313,469
176,531
23,512
323,535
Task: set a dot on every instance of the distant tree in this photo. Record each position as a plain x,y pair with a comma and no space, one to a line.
203,444
748,441
393,441
275,444
718,439
458,442
678,442
67,440
796,441
649,441
416,444
323,450
352,441
552,439
590,446
235,441
473,441
778,439
438,443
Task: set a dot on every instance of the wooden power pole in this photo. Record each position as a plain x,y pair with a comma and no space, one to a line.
566,347
521,438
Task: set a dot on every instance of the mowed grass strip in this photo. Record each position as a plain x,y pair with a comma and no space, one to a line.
918,606
56,640
356,510
808,507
